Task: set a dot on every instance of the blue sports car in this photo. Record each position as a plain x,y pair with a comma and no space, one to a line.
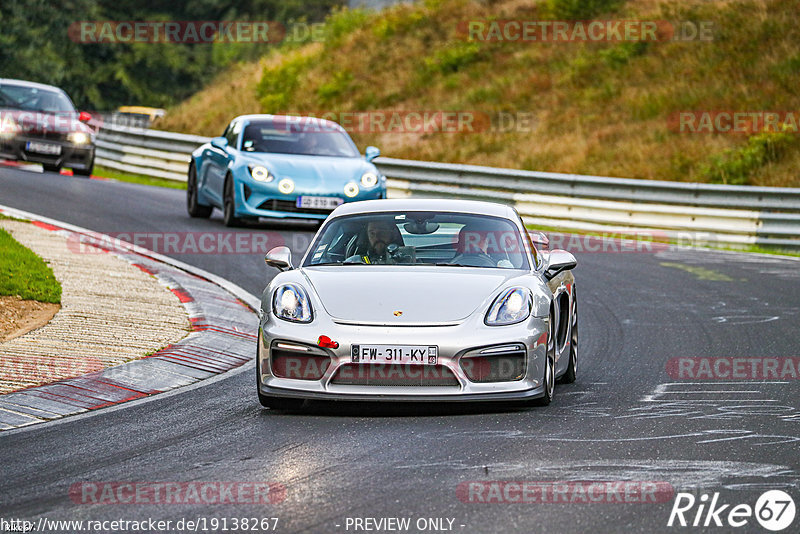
280,166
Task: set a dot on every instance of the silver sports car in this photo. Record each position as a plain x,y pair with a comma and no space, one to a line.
418,300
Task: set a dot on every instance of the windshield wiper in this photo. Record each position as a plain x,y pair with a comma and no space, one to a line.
452,265
325,263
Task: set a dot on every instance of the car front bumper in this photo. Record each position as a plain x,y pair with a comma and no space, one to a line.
79,157
262,200
454,342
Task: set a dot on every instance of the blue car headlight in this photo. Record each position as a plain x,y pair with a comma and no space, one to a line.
290,303
369,179
512,306
260,173
351,189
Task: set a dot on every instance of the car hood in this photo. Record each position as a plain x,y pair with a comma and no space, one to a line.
317,169
374,294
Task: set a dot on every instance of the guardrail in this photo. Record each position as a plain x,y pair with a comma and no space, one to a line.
697,213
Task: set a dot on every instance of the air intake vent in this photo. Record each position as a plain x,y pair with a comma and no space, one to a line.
394,375
496,364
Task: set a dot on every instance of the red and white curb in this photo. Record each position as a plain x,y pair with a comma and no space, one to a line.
224,327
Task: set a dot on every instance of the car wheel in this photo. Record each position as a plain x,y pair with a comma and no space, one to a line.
229,207
192,206
572,369
87,172
549,379
51,168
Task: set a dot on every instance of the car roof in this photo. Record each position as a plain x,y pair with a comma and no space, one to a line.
264,117
26,83
476,207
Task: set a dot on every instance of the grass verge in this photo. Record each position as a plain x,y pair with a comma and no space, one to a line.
104,172
603,108
24,273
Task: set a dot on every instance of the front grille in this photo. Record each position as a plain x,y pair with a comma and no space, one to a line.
381,374
290,206
291,364
46,135
501,366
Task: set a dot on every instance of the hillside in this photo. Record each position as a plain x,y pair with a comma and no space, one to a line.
610,108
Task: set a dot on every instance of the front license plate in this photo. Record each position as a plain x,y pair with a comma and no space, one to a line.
323,203
407,354
43,148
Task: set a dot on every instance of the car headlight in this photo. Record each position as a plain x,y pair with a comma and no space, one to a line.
8,127
79,138
260,173
369,179
286,186
512,306
351,189
290,303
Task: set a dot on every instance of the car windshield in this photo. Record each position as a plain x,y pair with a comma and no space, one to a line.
23,97
443,239
283,137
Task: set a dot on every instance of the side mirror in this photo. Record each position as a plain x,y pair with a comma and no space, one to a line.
280,258
560,260
219,142
371,153
84,117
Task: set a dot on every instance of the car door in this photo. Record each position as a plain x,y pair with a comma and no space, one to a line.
217,159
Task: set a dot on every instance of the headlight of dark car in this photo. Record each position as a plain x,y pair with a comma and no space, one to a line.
290,303
8,127
512,306
79,138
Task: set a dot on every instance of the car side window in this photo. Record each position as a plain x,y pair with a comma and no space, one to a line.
232,133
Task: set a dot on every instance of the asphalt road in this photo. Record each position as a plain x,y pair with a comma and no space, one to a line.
626,418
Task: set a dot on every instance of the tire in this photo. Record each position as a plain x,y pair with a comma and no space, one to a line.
229,206
549,379
572,369
192,206
51,168
87,172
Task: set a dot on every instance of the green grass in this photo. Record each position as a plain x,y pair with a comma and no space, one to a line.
600,108
104,172
25,274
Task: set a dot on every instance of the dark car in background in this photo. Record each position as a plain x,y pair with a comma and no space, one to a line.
39,124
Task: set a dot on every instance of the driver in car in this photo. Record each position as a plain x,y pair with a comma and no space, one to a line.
380,234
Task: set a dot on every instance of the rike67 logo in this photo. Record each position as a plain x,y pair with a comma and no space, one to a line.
774,510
